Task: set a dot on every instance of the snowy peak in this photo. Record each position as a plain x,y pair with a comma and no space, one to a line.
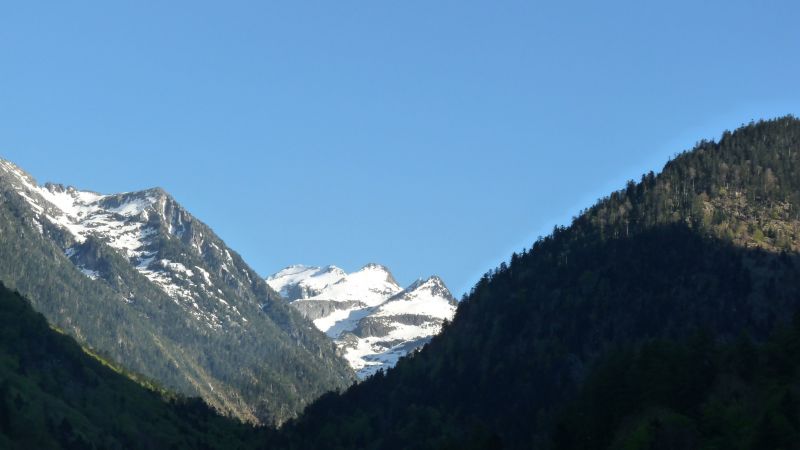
292,274
374,267
426,298
154,233
368,315
166,295
15,171
376,272
372,284
300,282
433,287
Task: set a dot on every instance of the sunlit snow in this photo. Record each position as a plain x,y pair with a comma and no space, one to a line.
366,299
123,222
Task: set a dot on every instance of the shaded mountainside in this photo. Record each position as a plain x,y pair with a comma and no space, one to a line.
138,279
371,318
54,395
690,393
707,246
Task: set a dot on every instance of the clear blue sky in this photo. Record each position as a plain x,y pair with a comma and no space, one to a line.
430,136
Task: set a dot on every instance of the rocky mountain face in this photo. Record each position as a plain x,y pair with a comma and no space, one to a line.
136,277
371,318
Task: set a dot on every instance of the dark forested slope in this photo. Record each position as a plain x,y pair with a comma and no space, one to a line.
690,393
55,395
708,246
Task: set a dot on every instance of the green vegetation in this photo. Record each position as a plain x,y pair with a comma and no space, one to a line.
502,370
690,394
660,318
664,259
55,395
263,371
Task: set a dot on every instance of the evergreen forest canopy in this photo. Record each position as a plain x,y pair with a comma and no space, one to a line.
54,394
660,318
708,246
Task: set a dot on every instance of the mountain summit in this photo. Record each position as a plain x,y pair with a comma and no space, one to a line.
136,277
371,318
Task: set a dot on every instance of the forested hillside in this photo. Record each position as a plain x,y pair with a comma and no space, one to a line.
55,395
665,316
690,393
138,279
706,247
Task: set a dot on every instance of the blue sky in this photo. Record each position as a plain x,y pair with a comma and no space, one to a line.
430,136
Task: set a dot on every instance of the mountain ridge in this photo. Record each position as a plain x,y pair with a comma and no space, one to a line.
372,320
178,289
660,318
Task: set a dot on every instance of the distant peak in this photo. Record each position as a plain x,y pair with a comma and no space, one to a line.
59,188
430,281
81,196
415,285
13,169
433,284
293,270
435,279
157,192
370,267
8,165
374,266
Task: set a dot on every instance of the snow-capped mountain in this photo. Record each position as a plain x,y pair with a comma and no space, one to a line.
136,224
371,318
164,295
296,282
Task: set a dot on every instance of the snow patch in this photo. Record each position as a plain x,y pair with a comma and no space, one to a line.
133,207
93,274
299,281
401,319
128,223
176,267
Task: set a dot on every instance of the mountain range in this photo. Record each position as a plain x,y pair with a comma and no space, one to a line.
664,316
371,318
137,278
660,317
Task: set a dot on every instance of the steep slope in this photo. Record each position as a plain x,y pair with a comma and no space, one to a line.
709,245
139,279
370,317
398,326
54,395
690,393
